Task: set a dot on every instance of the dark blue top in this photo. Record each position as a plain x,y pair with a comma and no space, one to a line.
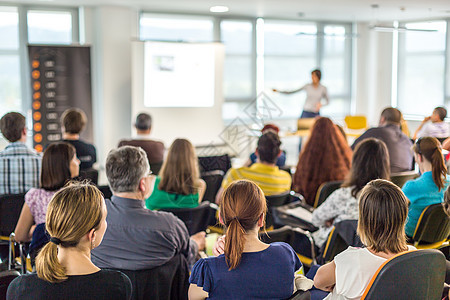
267,274
281,160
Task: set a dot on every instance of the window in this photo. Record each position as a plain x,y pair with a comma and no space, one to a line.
421,68
49,27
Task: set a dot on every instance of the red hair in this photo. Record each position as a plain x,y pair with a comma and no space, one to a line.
325,157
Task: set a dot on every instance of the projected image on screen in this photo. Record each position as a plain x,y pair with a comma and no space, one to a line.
178,74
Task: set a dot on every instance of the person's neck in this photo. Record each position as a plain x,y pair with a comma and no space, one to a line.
266,163
76,260
130,195
143,132
252,242
71,136
383,254
425,166
23,139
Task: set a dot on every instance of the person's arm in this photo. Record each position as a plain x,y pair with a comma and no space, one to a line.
329,209
446,144
325,278
201,190
24,225
196,292
416,133
289,92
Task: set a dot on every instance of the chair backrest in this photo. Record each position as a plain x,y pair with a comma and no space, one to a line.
211,163
5,279
156,167
409,275
300,295
106,191
283,234
305,123
196,219
325,190
213,180
166,282
10,208
274,201
356,122
433,225
90,174
399,179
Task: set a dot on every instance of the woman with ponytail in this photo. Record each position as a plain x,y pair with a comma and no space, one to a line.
249,268
429,188
76,223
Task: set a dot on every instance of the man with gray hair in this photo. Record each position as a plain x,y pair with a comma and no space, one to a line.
138,238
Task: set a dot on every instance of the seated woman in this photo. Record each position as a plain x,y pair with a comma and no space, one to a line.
429,188
382,215
59,165
370,161
249,268
76,222
179,184
281,160
325,157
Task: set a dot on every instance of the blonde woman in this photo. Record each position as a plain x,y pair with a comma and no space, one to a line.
179,184
76,222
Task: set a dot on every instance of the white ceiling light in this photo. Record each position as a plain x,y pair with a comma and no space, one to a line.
218,9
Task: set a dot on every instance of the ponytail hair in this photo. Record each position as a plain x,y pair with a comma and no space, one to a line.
430,148
73,211
242,205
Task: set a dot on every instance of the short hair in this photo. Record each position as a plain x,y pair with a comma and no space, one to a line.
73,120
125,167
392,115
441,112
268,147
383,209
56,160
12,125
143,121
318,73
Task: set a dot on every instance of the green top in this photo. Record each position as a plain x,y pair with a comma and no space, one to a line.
161,199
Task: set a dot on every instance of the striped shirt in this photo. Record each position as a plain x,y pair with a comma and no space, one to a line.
270,179
19,169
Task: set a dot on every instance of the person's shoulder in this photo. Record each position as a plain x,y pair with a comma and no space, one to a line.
349,253
281,247
114,275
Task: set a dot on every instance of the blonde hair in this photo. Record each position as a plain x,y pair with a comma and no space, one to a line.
179,172
383,209
242,205
72,213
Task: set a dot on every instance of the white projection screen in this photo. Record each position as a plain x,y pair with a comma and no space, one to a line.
179,74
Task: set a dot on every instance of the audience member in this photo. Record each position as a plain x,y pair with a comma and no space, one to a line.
249,268
73,121
429,188
370,161
398,144
434,125
325,157
139,238
76,222
264,172
19,165
154,149
281,160
59,165
383,209
179,184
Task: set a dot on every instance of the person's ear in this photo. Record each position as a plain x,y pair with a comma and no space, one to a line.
91,235
221,220
256,152
279,153
261,220
24,131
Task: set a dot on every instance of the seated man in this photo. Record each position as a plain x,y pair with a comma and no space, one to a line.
19,165
264,172
138,238
73,121
154,149
398,144
434,125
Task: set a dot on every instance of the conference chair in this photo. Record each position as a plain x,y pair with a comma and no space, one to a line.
300,295
166,282
10,208
90,174
5,279
399,179
211,163
325,190
213,180
284,234
156,167
432,229
196,219
274,201
106,191
409,275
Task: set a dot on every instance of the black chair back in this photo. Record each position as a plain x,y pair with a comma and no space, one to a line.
156,167
433,225
90,174
211,163
167,282
341,236
325,190
5,279
399,179
10,208
196,219
106,191
213,180
274,201
284,234
412,275
300,295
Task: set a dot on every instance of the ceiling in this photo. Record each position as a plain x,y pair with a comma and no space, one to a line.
336,10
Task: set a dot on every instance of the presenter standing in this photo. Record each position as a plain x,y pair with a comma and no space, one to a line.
315,92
